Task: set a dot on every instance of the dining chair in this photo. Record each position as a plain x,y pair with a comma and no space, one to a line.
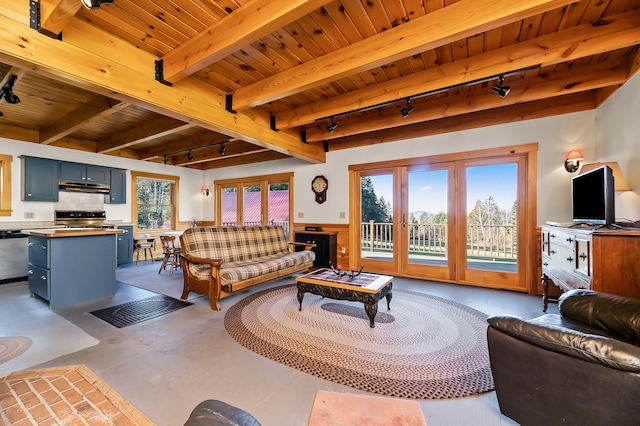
144,243
171,253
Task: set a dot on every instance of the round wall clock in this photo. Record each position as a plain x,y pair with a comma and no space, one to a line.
319,185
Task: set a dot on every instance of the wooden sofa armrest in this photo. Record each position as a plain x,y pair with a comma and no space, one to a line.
213,262
307,246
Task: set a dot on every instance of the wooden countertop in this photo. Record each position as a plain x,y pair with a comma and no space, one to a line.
71,232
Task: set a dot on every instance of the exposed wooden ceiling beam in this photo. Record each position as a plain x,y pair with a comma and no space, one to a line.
252,21
243,160
617,32
89,112
55,14
582,101
590,77
192,100
157,129
454,22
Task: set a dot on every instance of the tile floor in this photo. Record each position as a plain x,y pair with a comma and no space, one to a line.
167,365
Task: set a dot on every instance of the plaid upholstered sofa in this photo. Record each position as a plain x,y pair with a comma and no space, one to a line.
219,261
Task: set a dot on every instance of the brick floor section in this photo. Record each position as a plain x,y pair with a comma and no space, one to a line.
70,395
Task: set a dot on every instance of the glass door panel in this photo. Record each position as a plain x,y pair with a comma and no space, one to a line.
377,237
252,205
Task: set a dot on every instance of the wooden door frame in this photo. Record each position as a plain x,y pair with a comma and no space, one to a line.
527,235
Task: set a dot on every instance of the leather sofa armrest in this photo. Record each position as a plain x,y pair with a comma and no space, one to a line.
615,314
549,333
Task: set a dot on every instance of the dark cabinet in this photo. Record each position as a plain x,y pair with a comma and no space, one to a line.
117,187
40,178
125,245
77,172
325,249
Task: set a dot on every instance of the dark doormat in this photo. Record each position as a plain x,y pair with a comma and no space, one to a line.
140,310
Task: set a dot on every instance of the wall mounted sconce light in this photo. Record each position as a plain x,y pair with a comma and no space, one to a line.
407,110
205,191
95,4
572,163
500,88
332,126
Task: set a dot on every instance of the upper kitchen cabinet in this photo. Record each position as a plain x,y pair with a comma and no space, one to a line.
84,173
40,178
117,187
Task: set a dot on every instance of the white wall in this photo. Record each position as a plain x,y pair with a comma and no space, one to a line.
190,182
554,135
618,139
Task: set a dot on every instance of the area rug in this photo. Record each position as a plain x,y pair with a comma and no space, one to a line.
347,409
69,395
425,347
139,310
12,346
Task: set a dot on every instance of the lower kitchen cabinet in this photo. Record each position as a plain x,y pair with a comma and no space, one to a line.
125,245
69,270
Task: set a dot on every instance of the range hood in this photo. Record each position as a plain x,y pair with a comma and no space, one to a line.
92,188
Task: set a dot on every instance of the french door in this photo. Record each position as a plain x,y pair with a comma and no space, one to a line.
448,218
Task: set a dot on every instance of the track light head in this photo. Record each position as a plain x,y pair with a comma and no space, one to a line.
407,110
332,126
222,149
7,91
190,156
164,161
95,4
501,89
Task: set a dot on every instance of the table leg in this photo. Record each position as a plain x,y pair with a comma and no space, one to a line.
371,309
300,297
388,296
545,292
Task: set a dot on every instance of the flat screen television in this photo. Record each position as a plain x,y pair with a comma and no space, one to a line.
593,195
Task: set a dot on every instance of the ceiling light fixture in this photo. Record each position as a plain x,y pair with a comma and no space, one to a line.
500,88
332,126
222,149
407,110
95,4
190,156
6,92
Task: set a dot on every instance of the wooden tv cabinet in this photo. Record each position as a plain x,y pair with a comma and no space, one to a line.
603,260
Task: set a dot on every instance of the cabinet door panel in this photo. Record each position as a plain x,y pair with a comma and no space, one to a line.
40,179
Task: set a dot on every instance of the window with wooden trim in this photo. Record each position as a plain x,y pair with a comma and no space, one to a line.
155,201
5,184
255,200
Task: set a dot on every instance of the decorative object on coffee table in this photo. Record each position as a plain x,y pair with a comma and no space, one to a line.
426,347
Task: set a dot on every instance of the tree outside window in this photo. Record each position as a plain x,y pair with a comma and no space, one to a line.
155,203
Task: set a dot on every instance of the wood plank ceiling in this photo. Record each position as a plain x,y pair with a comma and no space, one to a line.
178,80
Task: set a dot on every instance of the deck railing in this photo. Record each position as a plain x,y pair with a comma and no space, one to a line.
491,241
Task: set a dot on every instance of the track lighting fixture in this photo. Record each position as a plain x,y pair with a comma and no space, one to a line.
165,160
407,110
332,126
7,91
190,156
95,4
222,149
501,89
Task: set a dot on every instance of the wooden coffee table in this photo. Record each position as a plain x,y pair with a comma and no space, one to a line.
366,288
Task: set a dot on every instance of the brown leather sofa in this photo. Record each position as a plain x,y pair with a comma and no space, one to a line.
581,367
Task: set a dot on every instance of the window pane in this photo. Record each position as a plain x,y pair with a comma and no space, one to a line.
279,206
229,206
376,220
252,205
154,200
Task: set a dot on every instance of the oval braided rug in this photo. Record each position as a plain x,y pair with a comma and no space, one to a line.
11,347
425,347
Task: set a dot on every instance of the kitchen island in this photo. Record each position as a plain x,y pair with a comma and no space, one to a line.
72,265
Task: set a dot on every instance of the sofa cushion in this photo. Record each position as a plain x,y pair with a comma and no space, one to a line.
558,334
233,272
615,314
237,244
